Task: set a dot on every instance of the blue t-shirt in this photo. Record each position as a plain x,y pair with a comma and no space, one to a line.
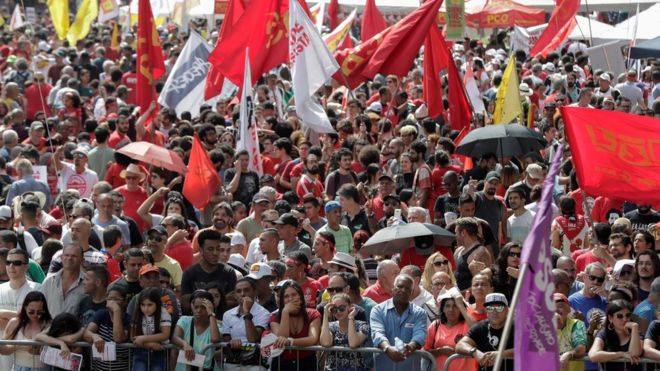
588,306
646,310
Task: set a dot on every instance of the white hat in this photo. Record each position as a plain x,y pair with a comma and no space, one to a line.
344,260
605,76
375,107
534,171
259,271
237,238
422,112
550,67
238,261
491,52
132,169
525,90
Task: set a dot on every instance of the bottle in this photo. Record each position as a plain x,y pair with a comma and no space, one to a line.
399,344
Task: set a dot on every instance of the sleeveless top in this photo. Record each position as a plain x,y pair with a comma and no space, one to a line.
24,359
463,274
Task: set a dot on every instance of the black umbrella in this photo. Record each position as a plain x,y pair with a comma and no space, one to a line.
394,239
502,140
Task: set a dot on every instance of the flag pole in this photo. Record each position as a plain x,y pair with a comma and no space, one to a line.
509,318
591,36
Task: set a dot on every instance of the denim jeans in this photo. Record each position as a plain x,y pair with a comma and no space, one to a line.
148,360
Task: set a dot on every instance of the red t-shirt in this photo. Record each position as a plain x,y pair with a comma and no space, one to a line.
113,268
130,80
133,200
436,178
311,289
291,355
181,252
411,257
606,210
37,99
585,259
376,293
309,185
267,165
115,138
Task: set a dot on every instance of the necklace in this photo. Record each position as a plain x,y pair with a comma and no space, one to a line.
492,340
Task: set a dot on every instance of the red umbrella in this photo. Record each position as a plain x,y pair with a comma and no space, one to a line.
157,156
504,14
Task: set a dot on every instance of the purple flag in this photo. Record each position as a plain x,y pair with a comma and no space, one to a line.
535,340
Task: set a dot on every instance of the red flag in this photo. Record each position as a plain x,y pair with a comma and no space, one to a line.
333,13
460,111
436,57
561,24
352,61
202,180
616,154
372,21
151,64
215,79
397,52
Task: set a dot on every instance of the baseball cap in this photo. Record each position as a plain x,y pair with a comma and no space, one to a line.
375,107
558,296
237,261
345,260
392,196
605,76
157,228
260,197
535,171
385,177
148,268
495,298
259,271
492,175
80,149
36,125
331,205
5,212
287,219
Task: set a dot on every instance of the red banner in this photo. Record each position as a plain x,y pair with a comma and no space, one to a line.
202,180
333,14
616,155
215,79
561,24
151,64
436,57
373,21
352,61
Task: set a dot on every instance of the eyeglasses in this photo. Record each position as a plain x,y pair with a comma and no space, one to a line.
495,309
440,263
156,238
514,254
597,279
623,315
35,312
339,308
16,263
439,284
335,289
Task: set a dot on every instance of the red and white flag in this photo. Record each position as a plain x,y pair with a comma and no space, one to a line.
473,90
247,132
312,65
17,19
336,38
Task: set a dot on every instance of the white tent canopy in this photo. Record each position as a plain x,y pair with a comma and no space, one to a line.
586,28
647,24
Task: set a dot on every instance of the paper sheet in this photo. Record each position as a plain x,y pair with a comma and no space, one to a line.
51,356
109,352
197,362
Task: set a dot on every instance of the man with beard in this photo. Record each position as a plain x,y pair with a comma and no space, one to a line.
643,218
243,183
647,267
209,268
391,203
75,176
251,226
471,256
385,188
343,175
422,184
223,217
309,184
533,176
489,207
520,222
120,133
208,136
342,234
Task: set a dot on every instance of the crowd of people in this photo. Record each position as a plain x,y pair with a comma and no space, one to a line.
280,255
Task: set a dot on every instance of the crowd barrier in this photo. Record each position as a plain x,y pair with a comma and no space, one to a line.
602,366
427,360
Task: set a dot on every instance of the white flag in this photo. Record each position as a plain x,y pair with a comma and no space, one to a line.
473,90
17,19
312,65
247,133
108,9
184,88
321,15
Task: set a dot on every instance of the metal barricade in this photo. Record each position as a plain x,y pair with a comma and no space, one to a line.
427,361
602,366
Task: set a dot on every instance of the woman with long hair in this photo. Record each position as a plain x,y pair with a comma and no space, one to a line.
32,319
404,178
446,331
64,330
619,339
435,263
506,269
346,332
194,333
294,325
150,329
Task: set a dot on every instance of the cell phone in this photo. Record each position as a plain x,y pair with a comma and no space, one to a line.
397,214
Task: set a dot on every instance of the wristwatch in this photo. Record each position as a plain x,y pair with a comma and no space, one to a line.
472,351
248,317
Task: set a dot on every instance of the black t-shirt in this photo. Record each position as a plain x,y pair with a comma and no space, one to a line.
612,344
642,222
131,288
87,307
445,204
195,278
134,231
488,340
248,186
359,222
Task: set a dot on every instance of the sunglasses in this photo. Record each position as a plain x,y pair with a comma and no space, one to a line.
156,238
597,279
514,254
35,312
622,315
339,308
440,263
495,309
335,289
16,263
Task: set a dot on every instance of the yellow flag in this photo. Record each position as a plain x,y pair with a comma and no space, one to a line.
59,13
115,36
87,13
507,103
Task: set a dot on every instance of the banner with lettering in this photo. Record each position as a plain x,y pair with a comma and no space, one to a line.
616,155
455,19
184,88
535,340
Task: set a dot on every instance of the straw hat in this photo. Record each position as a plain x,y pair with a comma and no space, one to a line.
133,169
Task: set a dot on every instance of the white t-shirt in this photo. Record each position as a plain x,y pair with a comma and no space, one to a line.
149,323
234,325
517,227
254,254
84,182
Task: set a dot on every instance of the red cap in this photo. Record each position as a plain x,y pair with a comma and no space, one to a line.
148,268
